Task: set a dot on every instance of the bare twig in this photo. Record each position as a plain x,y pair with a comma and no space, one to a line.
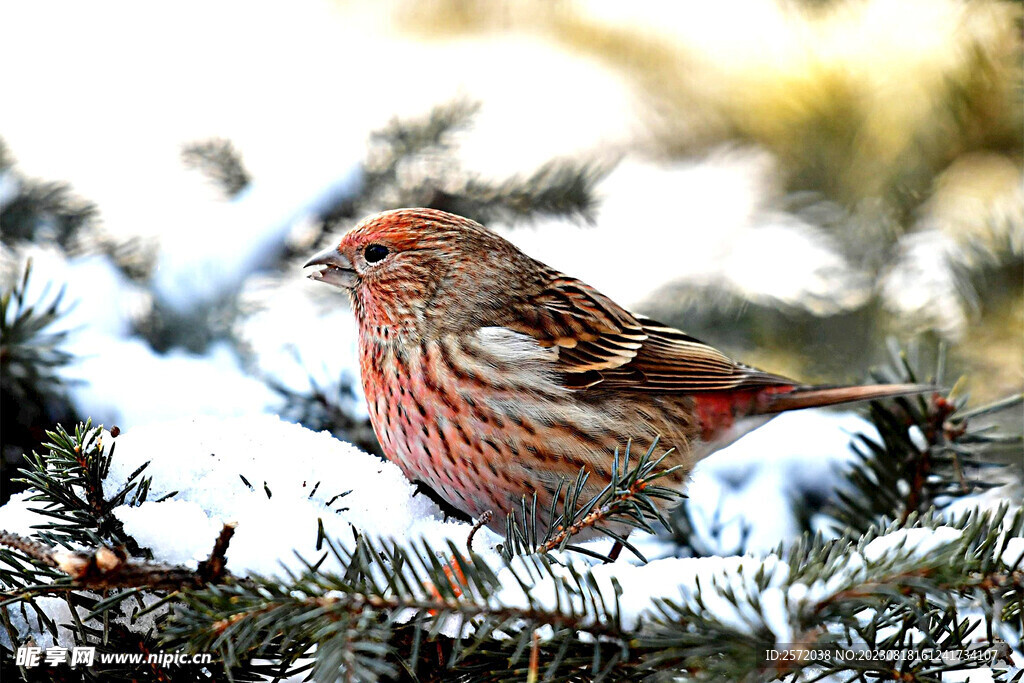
484,519
105,567
336,607
34,549
531,675
214,567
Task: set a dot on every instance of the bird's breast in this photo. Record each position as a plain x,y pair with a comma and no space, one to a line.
483,420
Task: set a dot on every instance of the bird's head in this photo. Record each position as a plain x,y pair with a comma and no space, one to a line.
423,272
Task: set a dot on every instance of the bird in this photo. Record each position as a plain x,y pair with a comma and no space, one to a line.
491,377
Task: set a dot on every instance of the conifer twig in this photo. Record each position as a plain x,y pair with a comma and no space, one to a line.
103,567
927,454
628,500
593,518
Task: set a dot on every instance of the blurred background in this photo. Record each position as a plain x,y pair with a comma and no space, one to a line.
794,182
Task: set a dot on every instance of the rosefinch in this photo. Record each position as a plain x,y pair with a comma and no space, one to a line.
490,376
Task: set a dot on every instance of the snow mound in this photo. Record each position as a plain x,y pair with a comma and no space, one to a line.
297,479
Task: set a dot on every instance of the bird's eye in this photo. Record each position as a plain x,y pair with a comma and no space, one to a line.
375,253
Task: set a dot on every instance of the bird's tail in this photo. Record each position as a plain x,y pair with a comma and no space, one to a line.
816,397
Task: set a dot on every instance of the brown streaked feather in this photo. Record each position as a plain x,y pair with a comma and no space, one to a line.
591,331
671,361
601,344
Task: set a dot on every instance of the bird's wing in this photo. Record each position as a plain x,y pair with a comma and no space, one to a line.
600,344
590,331
670,361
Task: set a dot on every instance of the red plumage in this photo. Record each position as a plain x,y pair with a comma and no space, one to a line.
490,376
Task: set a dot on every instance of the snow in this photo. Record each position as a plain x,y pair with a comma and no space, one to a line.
204,460
127,383
713,579
747,491
148,524
17,516
921,285
900,544
682,579
1013,555
98,301
910,542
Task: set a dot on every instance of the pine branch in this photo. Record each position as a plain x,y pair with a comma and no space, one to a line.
30,353
354,617
108,585
69,480
220,161
392,610
400,140
414,162
33,390
372,616
40,552
627,502
104,568
928,454
562,188
844,595
42,211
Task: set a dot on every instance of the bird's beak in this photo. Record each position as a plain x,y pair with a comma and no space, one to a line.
337,271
